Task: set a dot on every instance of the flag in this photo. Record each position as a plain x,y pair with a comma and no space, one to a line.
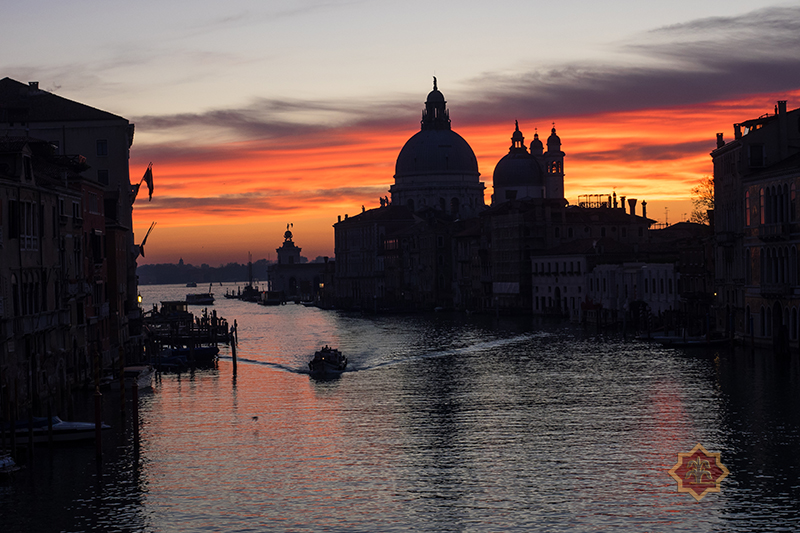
148,178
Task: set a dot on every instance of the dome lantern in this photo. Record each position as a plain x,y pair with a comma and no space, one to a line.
435,116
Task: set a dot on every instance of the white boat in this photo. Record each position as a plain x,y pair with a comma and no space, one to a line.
203,298
141,374
683,341
7,465
327,361
62,431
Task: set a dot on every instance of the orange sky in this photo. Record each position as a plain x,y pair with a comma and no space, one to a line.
214,204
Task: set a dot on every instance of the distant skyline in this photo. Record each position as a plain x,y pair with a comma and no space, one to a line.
257,114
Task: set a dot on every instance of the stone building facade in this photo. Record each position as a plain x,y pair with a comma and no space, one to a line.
756,177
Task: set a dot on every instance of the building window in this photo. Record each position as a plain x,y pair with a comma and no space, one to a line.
756,155
762,201
747,208
102,147
102,176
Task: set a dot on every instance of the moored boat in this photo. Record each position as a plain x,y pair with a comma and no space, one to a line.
327,361
7,465
40,427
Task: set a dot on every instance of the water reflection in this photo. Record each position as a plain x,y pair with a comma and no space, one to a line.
441,423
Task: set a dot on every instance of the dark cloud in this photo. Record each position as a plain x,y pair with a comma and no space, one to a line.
259,201
271,118
649,152
698,61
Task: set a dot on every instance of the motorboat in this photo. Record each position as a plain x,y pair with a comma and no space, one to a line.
191,284
142,375
203,298
327,361
40,427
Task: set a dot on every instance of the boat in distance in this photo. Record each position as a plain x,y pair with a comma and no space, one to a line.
327,362
62,431
204,298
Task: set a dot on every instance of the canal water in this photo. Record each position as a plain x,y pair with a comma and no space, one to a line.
442,422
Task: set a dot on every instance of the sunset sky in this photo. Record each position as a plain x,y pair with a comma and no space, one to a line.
256,114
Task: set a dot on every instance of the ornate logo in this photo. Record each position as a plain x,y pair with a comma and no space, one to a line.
698,472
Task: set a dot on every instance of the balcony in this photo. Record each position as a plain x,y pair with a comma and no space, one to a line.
775,290
774,232
30,324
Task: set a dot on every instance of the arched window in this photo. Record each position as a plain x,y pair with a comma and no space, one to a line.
793,203
762,203
748,321
747,208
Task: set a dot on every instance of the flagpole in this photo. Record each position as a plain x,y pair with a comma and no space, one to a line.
145,173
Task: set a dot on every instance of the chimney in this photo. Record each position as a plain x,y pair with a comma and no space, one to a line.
720,142
737,131
622,203
644,208
345,216
783,129
632,204
34,85
340,218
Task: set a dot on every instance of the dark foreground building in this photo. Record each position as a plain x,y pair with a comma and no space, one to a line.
68,306
756,177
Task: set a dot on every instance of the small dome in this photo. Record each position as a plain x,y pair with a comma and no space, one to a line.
435,95
553,142
536,145
517,169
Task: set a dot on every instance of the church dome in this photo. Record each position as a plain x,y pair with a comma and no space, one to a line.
436,152
436,149
517,167
553,142
536,145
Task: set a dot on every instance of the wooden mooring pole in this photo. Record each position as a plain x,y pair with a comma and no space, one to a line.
135,414
98,423
233,347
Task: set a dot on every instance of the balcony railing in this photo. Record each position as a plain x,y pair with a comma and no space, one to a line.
775,290
774,232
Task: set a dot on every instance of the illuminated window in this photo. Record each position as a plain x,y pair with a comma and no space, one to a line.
747,208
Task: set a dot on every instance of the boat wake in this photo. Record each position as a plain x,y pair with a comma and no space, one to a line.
470,349
401,358
276,366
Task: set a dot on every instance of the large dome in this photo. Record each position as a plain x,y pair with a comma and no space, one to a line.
436,152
